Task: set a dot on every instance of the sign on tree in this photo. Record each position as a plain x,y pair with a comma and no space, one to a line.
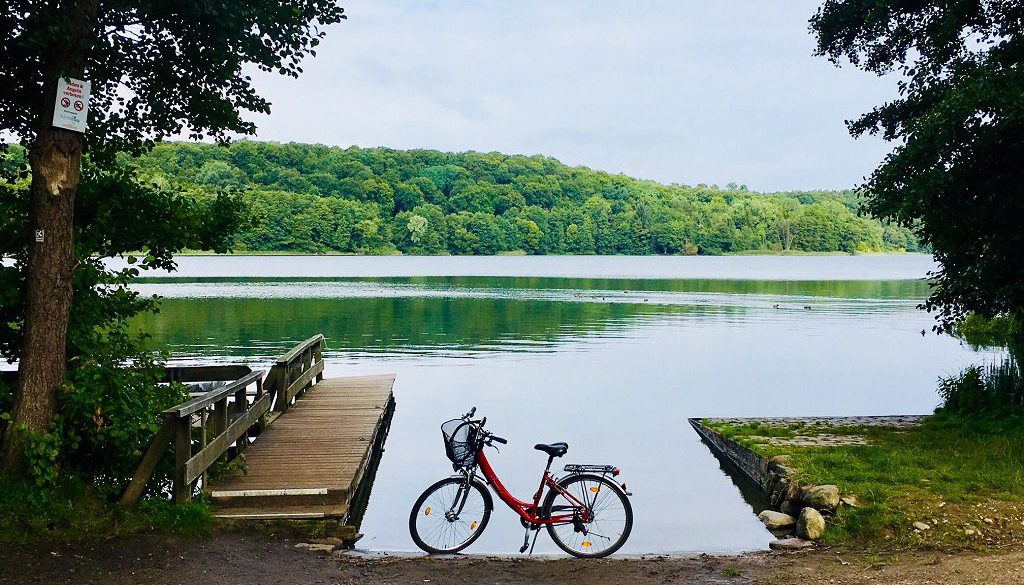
72,106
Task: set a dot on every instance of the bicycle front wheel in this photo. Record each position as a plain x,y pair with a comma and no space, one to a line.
450,515
602,517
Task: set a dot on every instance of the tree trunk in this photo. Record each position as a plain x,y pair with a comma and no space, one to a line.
55,157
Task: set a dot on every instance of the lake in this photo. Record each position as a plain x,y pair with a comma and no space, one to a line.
610,354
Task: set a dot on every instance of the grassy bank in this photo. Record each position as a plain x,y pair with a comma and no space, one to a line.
963,477
74,511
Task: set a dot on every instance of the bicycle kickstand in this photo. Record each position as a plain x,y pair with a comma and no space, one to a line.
526,540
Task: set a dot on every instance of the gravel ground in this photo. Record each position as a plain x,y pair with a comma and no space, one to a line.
228,559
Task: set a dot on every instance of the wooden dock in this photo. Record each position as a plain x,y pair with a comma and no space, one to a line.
311,444
310,462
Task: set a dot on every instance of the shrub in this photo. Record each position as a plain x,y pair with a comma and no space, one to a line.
994,389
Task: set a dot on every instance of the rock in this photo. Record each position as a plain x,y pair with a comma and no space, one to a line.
822,497
315,547
780,464
783,470
789,507
810,525
921,526
790,544
776,520
850,501
331,540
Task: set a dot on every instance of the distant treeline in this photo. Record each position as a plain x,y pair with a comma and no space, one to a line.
309,198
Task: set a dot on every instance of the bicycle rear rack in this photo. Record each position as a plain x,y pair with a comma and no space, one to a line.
574,468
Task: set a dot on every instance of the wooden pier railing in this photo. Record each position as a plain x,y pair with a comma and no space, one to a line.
297,371
213,422
222,421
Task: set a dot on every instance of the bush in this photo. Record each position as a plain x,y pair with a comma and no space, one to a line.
995,389
983,332
73,509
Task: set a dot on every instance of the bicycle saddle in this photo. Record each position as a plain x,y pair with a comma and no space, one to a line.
554,449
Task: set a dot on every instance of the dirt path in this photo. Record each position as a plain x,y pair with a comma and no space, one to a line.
229,559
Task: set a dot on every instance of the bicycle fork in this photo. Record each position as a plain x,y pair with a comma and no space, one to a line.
460,500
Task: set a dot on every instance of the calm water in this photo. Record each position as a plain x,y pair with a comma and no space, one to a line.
610,354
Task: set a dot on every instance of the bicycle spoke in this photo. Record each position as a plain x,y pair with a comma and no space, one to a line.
438,523
609,520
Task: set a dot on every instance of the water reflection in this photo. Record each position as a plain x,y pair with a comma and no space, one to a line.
472,315
613,367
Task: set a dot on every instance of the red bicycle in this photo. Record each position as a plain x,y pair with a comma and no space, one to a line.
586,512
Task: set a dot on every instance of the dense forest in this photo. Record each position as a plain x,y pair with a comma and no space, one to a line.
316,199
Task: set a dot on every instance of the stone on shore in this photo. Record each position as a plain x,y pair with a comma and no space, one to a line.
790,544
776,520
851,501
315,547
810,525
822,497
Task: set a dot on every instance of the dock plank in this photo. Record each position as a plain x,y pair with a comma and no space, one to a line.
321,444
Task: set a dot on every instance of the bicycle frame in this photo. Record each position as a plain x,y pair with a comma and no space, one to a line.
531,512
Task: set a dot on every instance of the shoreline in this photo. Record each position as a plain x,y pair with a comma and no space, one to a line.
230,558
517,254
881,267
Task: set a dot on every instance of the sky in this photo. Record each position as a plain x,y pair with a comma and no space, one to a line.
677,91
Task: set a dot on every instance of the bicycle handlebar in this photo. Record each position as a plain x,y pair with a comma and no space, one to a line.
485,435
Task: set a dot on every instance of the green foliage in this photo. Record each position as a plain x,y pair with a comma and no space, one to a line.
42,453
956,172
71,509
318,199
108,409
980,331
158,68
903,474
995,389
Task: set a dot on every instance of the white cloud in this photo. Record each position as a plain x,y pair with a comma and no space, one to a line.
677,91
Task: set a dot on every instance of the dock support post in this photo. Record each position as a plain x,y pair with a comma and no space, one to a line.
182,453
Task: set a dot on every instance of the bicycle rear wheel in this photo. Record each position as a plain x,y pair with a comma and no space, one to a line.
610,516
449,515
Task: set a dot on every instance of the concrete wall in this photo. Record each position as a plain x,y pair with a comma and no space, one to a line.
751,464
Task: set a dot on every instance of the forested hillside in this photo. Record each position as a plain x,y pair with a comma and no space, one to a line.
308,198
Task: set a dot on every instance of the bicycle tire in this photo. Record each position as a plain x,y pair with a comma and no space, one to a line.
566,483
474,532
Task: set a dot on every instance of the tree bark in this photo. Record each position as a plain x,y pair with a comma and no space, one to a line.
55,158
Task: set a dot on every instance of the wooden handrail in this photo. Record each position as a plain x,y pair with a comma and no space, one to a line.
290,356
228,415
216,433
296,371
204,400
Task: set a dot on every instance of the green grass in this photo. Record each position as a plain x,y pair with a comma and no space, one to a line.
730,571
75,511
973,467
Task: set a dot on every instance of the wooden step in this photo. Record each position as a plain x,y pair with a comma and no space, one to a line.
254,498
283,512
